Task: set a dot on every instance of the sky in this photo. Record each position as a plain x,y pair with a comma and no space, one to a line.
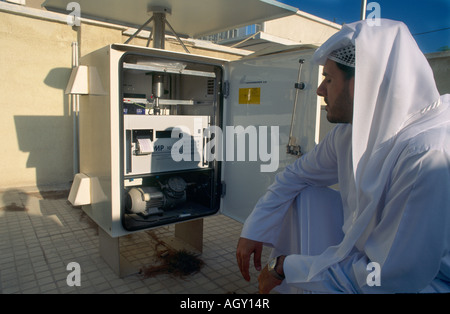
423,18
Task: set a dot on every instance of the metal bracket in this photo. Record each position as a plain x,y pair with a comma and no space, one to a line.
292,147
159,9
139,30
226,89
300,86
158,30
223,189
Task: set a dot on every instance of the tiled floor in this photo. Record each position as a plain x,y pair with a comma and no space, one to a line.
41,233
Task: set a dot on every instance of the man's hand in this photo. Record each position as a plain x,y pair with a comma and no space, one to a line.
244,250
267,282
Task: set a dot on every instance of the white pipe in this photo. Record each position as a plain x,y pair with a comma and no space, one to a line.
363,9
75,111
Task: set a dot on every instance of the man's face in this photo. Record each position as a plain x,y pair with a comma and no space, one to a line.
338,93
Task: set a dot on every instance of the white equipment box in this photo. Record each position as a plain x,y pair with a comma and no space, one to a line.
167,137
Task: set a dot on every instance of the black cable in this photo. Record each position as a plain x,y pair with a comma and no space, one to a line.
436,30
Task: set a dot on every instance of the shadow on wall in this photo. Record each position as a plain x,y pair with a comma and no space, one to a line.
49,138
58,78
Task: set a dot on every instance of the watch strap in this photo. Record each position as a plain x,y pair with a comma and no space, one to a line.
272,269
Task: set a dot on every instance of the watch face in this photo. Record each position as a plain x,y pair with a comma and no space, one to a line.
273,263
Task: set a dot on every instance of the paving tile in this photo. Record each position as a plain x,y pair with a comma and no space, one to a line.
37,244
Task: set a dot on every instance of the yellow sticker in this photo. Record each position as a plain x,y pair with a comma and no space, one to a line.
250,96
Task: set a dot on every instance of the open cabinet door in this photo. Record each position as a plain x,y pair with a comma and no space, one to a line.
259,108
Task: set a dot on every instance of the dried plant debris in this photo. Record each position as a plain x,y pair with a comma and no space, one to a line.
178,263
84,218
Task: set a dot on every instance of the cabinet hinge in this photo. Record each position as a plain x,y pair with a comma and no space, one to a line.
226,89
223,189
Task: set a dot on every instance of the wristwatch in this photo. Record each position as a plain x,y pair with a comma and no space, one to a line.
272,266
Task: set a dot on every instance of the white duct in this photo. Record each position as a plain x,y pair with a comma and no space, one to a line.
75,99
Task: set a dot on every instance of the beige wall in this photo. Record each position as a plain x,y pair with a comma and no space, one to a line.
303,28
35,124
440,63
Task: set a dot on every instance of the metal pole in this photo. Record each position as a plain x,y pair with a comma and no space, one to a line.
363,9
159,30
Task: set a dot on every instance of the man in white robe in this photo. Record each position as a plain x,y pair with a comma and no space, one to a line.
387,230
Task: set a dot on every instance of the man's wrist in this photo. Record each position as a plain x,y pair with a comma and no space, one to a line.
279,267
275,267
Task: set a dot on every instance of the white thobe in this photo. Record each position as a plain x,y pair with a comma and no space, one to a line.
409,234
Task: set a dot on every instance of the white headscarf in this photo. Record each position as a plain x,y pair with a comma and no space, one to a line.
395,99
